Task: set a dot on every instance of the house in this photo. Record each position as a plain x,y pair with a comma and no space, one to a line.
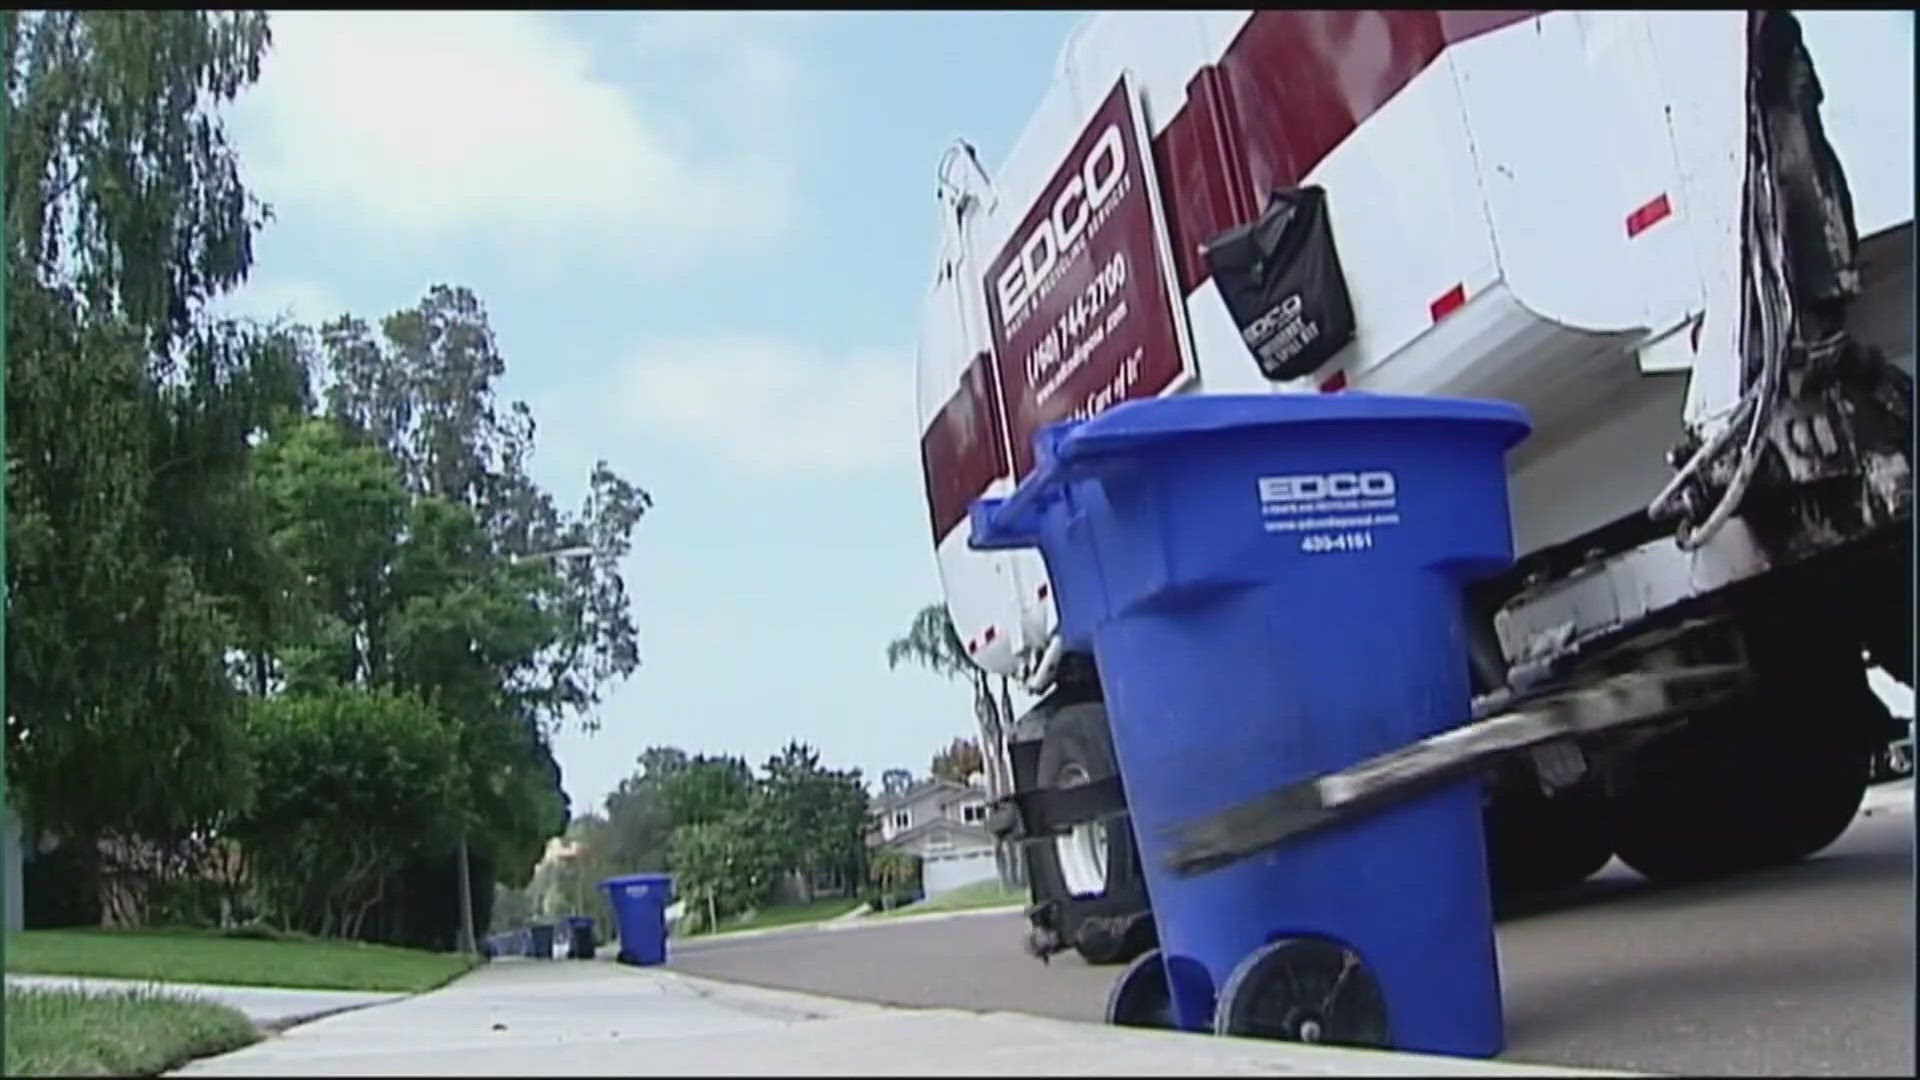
944,824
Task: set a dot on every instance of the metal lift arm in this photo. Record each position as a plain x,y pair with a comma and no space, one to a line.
1305,806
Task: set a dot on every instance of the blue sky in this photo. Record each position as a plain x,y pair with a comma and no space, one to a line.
702,239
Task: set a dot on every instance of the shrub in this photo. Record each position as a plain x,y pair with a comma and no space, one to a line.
351,783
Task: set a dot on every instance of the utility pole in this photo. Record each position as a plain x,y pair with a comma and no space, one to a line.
468,943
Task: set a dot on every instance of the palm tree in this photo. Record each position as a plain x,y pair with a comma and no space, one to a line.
934,644
931,642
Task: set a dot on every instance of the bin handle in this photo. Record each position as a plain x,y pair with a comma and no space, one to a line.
1014,522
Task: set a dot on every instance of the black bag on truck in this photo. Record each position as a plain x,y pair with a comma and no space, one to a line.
1280,277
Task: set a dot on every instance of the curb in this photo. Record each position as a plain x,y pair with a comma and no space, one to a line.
769,1000
932,916
280,1025
842,922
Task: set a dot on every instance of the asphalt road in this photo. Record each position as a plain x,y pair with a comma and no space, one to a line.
1804,970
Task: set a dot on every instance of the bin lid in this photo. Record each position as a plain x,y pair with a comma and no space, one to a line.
1127,426
637,879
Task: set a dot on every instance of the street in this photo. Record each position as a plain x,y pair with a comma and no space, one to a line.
1803,970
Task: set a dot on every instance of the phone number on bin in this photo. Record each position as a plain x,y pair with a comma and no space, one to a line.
1347,541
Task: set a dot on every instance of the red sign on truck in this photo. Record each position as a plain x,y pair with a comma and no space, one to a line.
1079,300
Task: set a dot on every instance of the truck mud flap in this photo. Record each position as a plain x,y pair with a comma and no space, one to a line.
1517,724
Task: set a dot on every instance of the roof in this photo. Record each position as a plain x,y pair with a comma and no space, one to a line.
919,790
960,829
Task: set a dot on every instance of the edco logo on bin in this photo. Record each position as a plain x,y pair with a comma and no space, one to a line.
1312,487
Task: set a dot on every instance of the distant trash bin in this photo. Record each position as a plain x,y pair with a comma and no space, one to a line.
580,937
1273,590
540,941
640,912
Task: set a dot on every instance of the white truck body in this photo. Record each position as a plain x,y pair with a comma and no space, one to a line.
1541,207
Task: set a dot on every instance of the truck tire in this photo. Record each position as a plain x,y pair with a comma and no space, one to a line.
1767,780
1539,845
1090,872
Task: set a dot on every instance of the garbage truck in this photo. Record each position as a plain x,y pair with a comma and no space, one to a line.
1681,241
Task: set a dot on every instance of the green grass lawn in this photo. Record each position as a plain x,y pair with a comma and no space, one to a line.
126,1033
965,898
204,956
792,914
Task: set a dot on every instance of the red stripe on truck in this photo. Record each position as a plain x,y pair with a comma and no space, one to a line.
1291,87
964,449
1646,217
1448,302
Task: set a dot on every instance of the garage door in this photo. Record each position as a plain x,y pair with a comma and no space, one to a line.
950,870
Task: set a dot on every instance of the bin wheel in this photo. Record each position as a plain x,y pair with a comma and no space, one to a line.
1307,990
1140,997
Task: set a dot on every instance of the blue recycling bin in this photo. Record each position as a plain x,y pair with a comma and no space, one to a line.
640,911
540,941
1272,589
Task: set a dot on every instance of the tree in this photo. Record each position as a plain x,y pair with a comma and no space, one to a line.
571,884
352,781
335,513
820,814
932,642
123,197
402,591
632,837
132,555
727,866
959,762
708,789
890,876
423,390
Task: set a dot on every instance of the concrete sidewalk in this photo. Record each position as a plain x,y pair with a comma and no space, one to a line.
531,1018
270,1007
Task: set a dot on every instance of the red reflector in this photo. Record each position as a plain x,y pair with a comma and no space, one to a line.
973,646
1043,590
1335,384
1648,216
988,636
1450,301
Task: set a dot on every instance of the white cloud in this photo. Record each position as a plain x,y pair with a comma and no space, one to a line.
767,405
502,122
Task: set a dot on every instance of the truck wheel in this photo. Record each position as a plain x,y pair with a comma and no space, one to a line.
1094,859
1761,782
1537,845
